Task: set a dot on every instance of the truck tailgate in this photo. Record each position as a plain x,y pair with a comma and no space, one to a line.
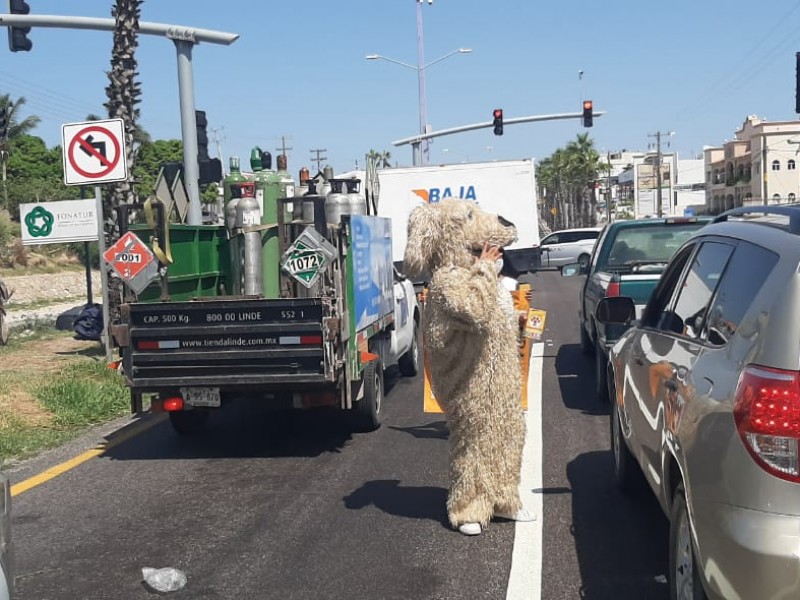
237,342
638,287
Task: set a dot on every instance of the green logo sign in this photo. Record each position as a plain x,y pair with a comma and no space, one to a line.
39,222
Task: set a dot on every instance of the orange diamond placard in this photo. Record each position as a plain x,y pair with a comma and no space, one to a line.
128,256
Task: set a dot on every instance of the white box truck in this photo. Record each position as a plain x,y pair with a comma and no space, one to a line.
507,188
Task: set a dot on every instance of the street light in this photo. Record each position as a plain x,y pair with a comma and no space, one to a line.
420,153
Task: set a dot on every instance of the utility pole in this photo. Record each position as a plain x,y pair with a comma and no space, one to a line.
218,143
283,149
319,159
658,135
608,188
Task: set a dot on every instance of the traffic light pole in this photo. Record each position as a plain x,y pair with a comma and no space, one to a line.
185,38
416,140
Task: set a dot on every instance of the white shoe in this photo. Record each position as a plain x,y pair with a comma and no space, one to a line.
470,528
522,515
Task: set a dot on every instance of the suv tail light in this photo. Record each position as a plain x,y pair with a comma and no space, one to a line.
767,413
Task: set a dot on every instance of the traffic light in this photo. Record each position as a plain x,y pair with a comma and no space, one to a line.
587,113
202,135
18,36
497,116
797,83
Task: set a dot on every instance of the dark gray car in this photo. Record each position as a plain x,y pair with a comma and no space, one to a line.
6,557
705,395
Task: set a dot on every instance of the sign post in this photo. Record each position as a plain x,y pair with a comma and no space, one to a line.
94,152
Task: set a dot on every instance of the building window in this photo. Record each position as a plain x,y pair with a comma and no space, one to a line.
776,165
790,165
776,198
792,197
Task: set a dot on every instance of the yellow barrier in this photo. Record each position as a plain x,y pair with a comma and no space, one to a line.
431,405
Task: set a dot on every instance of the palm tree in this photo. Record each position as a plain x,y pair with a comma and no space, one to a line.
383,159
123,93
17,127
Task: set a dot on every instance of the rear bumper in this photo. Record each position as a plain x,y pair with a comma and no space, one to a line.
747,553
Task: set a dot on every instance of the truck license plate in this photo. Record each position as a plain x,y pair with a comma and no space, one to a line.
201,396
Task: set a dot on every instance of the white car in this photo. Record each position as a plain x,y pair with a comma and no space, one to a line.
405,337
6,562
569,246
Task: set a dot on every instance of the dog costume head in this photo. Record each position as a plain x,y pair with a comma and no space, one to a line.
451,233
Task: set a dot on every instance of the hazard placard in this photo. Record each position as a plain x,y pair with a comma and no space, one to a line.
134,262
94,152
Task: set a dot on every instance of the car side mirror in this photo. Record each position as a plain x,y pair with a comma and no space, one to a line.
617,310
573,269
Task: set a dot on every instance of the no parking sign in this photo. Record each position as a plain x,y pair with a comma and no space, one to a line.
94,152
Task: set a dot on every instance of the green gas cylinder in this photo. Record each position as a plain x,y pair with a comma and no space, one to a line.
235,176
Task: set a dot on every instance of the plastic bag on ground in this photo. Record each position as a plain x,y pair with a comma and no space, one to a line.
167,579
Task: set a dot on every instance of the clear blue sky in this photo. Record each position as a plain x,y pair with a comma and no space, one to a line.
697,68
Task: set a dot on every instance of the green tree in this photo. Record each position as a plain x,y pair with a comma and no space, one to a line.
35,173
151,156
17,126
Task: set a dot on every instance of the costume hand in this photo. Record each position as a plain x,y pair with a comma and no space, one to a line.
490,253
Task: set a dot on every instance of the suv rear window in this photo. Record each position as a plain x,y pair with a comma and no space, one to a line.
650,244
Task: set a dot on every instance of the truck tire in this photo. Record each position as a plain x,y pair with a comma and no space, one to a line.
3,329
367,411
409,362
583,261
188,422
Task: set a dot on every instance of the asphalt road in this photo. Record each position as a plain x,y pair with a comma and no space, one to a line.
291,506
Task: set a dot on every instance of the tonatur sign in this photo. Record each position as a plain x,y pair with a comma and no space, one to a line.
58,222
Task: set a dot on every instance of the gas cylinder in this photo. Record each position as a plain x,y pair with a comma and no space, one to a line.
234,275
260,176
235,176
314,209
247,215
336,203
358,201
299,191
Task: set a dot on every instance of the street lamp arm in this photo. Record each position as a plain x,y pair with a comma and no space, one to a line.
448,55
391,60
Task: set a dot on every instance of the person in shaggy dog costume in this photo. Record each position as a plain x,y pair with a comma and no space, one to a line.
471,330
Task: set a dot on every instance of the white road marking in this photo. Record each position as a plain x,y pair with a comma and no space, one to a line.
525,578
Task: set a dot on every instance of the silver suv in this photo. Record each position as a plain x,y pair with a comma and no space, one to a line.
705,393
569,246
6,562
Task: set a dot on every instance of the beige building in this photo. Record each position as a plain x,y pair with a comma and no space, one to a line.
759,166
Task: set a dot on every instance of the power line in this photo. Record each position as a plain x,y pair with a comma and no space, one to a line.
283,149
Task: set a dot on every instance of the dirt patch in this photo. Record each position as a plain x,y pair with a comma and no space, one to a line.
45,355
31,364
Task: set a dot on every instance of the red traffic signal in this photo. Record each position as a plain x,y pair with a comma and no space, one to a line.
497,121
587,113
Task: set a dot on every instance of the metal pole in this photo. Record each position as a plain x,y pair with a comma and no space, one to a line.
658,172
101,248
191,172
416,153
423,112
88,261
608,199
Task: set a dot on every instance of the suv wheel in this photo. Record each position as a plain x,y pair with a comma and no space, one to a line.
627,473
685,582
409,362
601,374
587,347
583,261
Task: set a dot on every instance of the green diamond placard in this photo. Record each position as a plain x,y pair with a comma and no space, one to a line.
308,256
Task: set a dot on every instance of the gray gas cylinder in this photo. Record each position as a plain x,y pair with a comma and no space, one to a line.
358,201
247,215
337,203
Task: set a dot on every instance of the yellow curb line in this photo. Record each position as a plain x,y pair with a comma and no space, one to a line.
99,450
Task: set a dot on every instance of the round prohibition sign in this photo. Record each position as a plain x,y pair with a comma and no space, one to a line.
78,142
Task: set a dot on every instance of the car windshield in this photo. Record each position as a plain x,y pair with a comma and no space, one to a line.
637,247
